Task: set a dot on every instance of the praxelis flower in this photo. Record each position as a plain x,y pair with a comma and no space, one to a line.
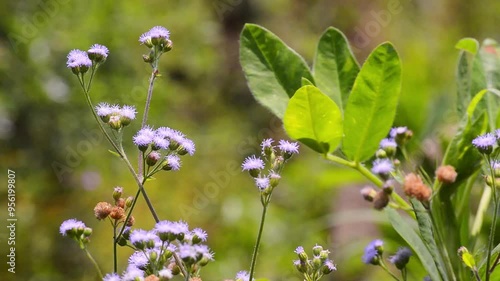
288,148
71,227
401,258
485,143
98,53
78,61
242,276
253,165
172,162
382,167
373,252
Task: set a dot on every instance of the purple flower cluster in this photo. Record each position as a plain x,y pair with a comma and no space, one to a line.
114,115
155,248
80,61
318,265
156,32
485,143
373,252
275,157
401,258
174,144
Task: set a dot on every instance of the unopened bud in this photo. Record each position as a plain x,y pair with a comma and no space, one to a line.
368,193
381,200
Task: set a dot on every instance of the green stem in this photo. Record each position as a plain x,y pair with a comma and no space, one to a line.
442,247
373,178
115,259
494,221
140,159
257,243
94,263
382,264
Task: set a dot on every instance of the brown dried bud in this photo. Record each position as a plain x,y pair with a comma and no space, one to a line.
102,210
152,277
117,213
381,200
120,203
368,193
414,187
131,221
446,174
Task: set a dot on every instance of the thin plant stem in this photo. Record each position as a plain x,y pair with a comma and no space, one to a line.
495,263
441,246
494,220
374,179
382,264
257,243
94,263
115,261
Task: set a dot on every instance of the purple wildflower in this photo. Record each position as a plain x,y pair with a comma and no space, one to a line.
128,111
388,143
242,276
200,233
401,258
262,183
160,142
78,58
173,163
382,166
398,131
132,274
485,143
288,148
103,109
144,137
155,32
68,227
187,146
165,273
252,163
138,259
142,238
373,252
98,53
329,266
111,277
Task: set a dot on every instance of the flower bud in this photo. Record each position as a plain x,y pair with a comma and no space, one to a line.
153,158
317,250
117,213
317,263
130,221
120,203
381,154
300,266
381,200
446,174
87,231
368,193
117,192
114,122
167,45
129,201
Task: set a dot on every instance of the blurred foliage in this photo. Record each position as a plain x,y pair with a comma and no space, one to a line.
202,92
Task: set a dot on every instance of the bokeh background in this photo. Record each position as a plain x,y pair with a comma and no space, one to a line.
45,123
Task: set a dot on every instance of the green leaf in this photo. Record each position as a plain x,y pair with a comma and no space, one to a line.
273,70
371,107
415,242
335,67
114,153
426,232
314,119
468,44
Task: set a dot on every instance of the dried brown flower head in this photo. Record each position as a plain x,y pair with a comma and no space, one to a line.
117,213
414,187
102,210
446,174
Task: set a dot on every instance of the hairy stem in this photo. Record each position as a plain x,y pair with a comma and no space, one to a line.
257,243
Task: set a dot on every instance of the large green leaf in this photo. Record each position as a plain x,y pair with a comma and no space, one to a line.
371,107
335,67
272,69
314,119
427,233
415,242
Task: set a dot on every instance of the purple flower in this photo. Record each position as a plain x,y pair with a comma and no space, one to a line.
242,276
267,146
144,137
155,32
128,111
330,266
167,132
173,162
485,143
288,147
142,238
111,277
495,164
165,273
160,142
382,166
187,251
132,273
188,146
262,183
138,259
71,226
388,143
98,53
168,227
78,58
200,233
299,250
252,163
401,258
373,252
104,109
398,131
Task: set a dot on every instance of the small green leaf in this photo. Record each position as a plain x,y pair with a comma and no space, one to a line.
468,44
314,119
415,242
114,153
371,107
335,67
273,70
306,82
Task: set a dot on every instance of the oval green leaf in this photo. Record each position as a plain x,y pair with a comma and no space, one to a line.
371,107
273,70
314,119
335,67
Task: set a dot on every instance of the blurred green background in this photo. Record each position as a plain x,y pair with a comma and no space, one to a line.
44,121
